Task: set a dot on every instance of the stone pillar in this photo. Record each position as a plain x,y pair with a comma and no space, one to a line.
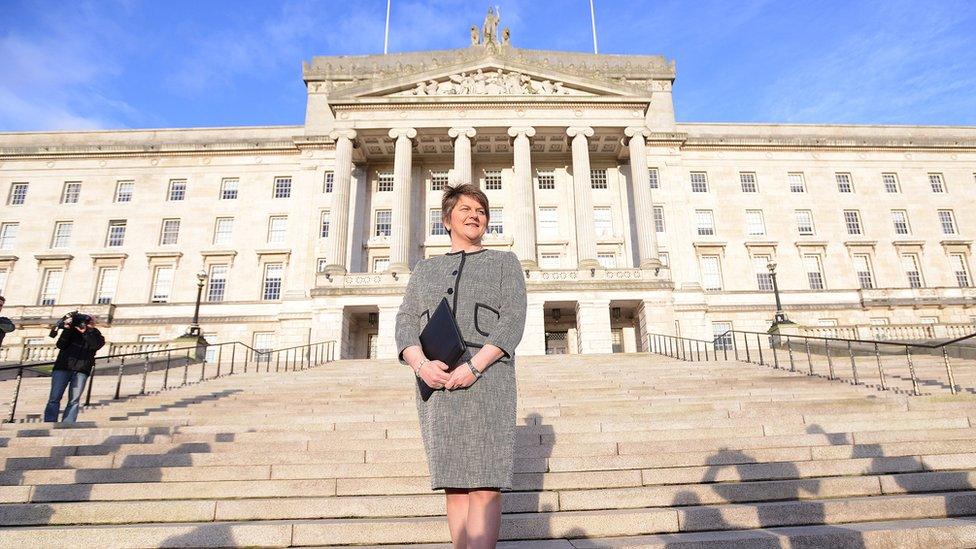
643,204
534,337
330,325
339,212
386,342
593,326
585,231
402,179
524,204
462,155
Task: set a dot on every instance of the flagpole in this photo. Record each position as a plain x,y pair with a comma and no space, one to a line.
593,21
386,35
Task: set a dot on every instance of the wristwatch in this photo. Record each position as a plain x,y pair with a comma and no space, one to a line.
474,370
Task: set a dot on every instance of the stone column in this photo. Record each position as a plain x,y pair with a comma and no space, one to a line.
534,337
593,326
524,204
585,231
462,155
339,212
386,343
643,204
402,179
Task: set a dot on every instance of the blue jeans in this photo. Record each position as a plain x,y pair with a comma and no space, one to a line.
61,380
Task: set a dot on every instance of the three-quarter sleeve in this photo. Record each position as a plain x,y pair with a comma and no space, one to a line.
407,330
511,314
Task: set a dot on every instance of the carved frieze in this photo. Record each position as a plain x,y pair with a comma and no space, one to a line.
497,82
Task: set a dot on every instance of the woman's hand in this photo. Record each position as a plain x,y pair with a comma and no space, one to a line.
461,378
434,374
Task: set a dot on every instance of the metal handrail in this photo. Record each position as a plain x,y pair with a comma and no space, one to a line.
322,352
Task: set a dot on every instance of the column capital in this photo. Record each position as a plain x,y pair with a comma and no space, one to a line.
347,133
409,133
585,131
631,131
462,130
515,131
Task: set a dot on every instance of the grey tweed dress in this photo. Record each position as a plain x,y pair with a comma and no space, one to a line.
469,434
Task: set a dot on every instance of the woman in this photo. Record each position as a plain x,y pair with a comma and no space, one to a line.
468,427
76,359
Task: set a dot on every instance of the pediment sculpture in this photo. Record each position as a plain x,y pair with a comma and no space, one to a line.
497,82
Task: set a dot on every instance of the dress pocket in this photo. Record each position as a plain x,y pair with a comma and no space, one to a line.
485,318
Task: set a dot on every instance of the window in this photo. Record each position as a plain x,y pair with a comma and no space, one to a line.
108,281
659,219
890,181
18,194
162,284
123,191
271,286
550,261
228,188
748,182
277,229
938,185
664,259
899,218
493,180
71,192
654,178
437,227
608,260
804,222
720,335
548,222
755,225
852,219
815,278
282,187
51,286
496,221
62,234
116,233
862,267
3,280
223,230
699,182
384,182
960,269
948,222
380,264
438,180
384,219
844,184
598,178
797,184
546,179
909,263
321,264
328,181
711,272
8,235
170,232
177,190
764,280
217,283
324,224
602,221
263,344
705,222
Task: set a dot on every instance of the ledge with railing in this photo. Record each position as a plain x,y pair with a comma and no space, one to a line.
125,375
912,368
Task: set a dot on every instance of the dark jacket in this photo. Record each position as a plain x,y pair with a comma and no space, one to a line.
77,352
6,325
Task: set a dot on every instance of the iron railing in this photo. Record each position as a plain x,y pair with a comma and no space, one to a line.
134,374
886,365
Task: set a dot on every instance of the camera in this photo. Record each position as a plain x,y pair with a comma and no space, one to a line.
74,318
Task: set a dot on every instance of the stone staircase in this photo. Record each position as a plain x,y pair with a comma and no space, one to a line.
612,451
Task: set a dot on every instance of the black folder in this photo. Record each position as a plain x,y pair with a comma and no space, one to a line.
441,340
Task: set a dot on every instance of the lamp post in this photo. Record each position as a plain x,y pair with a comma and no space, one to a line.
780,317
195,326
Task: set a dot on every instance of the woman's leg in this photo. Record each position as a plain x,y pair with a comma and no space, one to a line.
484,518
74,396
457,514
59,381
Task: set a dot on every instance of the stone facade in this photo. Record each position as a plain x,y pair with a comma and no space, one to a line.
626,221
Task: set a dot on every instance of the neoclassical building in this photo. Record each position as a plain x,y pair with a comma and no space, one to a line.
626,221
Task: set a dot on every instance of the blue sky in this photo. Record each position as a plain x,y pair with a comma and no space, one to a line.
140,63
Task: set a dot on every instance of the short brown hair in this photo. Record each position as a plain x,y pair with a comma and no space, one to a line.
453,194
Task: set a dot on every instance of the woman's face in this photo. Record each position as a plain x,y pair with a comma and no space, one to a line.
468,221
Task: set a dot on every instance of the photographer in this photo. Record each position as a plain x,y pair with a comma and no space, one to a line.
6,325
78,343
